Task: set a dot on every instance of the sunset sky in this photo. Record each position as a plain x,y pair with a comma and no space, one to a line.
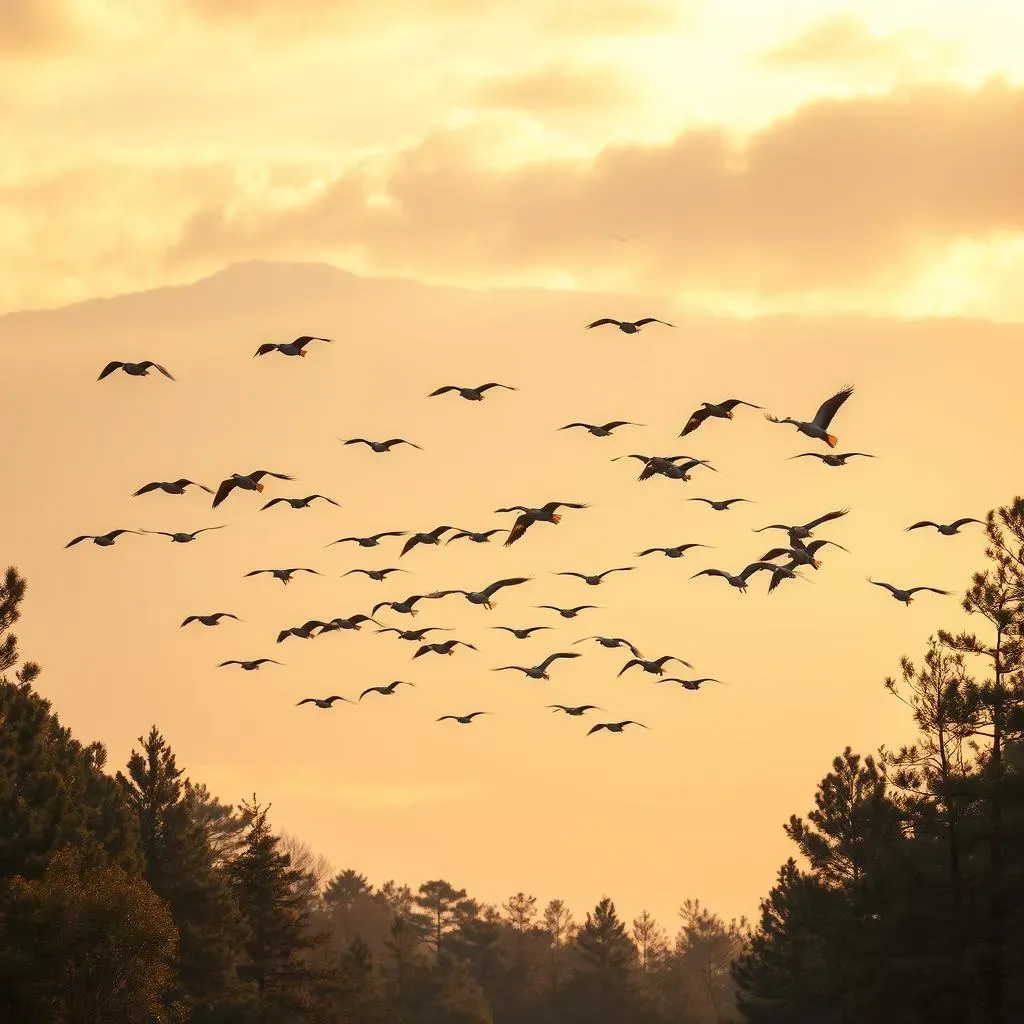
815,193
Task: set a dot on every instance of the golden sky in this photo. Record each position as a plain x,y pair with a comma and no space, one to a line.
858,162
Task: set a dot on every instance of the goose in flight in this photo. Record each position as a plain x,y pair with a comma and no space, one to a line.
402,607
594,581
672,552
709,410
380,447
720,506
182,538
289,348
688,684
369,542
483,597
906,596
303,632
614,726
385,691
170,487
208,620
740,581
603,429
284,575
380,575
806,531
818,427
521,634
447,647
323,702
431,537
103,540
656,666
545,514
568,613
251,666
783,572
299,502
666,467
802,554
353,622
538,671
629,326
464,719
134,369
576,712
946,529
476,538
833,458
245,482
471,394
416,635
611,642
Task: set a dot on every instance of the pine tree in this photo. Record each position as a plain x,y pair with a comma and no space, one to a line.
438,904
559,924
608,955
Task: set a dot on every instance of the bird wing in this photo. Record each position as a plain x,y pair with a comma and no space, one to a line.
827,518
409,545
357,440
963,522
204,529
114,364
386,533
372,689
267,346
878,583
401,440
495,384
757,567
519,527
828,408
441,391
579,575
813,455
653,320
188,619
612,424
511,582
934,590
225,488
629,664
707,501
148,363
695,420
146,488
776,553
258,475
593,729
711,572
554,506
603,320
731,403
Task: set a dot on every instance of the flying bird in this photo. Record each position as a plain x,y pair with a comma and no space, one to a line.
688,684
818,427
134,369
577,711
476,538
806,531
946,529
464,719
709,410
385,691
380,575
471,394
447,647
303,632
521,634
208,620
627,326
672,552
740,581
299,502
906,596
416,635
354,622
289,348
567,613
369,542
545,514
655,666
251,666
431,537
324,702
245,482
658,466
832,458
483,597
284,575
720,506
800,553
402,607
537,671
604,429
183,538
614,726
380,447
103,540
593,581
170,487
611,642
783,572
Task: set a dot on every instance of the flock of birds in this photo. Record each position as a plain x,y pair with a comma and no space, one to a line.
779,563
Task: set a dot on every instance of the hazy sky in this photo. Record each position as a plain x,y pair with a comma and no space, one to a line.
859,162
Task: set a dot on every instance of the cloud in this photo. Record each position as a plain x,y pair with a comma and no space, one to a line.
31,27
844,193
557,89
844,39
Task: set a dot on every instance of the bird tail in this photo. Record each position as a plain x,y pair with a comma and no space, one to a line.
831,440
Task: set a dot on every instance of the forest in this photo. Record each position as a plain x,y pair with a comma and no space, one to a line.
136,895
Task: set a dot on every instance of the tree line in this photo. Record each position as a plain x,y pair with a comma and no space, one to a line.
137,895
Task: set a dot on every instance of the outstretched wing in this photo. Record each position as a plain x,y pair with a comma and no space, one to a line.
695,420
827,518
149,364
603,320
653,320
441,391
519,527
828,408
146,488
933,590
